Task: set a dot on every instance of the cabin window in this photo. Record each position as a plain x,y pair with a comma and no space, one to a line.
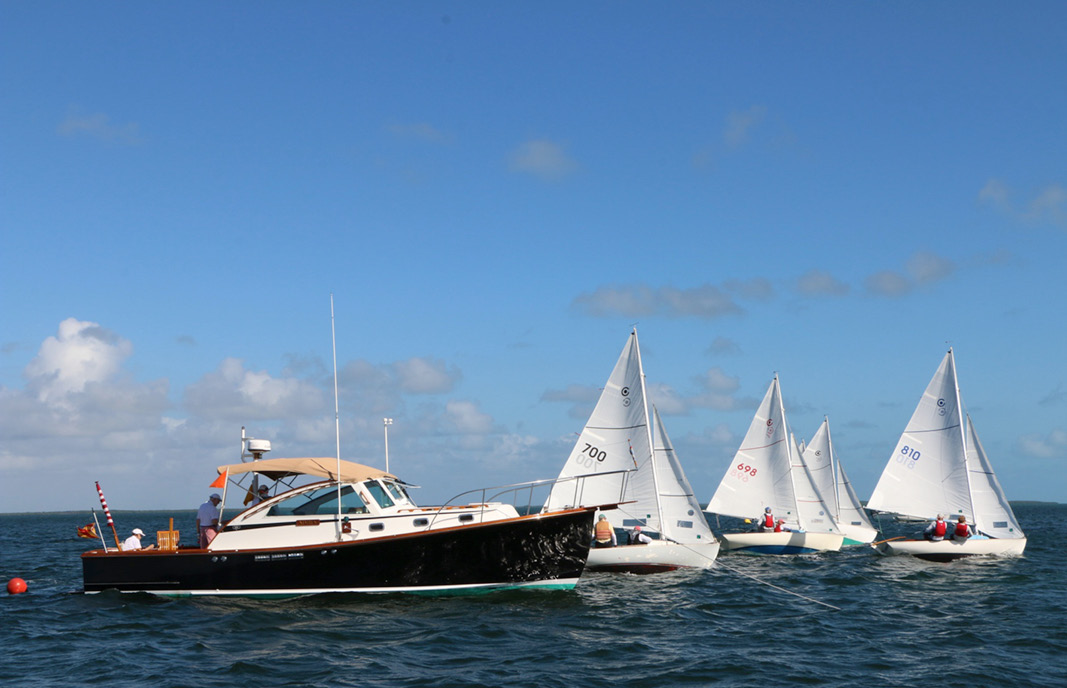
398,492
466,518
377,527
422,522
322,501
378,492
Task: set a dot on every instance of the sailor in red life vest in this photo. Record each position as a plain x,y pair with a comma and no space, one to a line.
780,526
604,534
936,531
766,524
963,531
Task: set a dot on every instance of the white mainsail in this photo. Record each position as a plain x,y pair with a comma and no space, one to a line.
927,472
813,511
758,477
992,513
681,519
616,438
768,470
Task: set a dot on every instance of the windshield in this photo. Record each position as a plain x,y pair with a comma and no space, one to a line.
320,502
379,493
397,490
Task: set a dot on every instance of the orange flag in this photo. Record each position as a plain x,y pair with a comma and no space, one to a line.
221,480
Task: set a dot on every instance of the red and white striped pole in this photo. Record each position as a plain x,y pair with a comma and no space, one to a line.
107,512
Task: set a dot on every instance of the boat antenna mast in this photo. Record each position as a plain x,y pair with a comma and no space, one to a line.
336,415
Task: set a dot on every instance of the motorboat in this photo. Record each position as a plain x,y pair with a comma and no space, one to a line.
355,528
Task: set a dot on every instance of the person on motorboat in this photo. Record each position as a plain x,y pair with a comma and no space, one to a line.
134,541
207,520
604,533
639,538
261,495
936,531
963,530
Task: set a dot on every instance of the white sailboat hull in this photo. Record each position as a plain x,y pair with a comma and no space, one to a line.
948,550
655,557
857,535
782,543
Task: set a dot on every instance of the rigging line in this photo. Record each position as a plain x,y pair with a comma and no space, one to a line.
718,562
778,588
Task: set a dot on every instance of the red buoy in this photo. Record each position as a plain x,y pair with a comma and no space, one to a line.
16,586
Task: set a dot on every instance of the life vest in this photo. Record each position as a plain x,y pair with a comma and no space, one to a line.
768,521
603,531
940,528
962,530
778,527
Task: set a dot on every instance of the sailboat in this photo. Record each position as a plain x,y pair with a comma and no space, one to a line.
769,471
656,494
830,479
940,467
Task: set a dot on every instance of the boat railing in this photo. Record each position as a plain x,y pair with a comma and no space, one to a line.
527,498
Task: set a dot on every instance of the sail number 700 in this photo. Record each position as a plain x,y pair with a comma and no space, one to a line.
585,458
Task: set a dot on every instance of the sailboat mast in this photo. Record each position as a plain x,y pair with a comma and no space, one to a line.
833,469
336,415
963,436
790,448
648,432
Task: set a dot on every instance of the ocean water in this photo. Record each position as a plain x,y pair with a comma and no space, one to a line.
852,618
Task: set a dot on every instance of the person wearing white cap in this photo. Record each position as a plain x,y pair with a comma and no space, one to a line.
207,520
134,541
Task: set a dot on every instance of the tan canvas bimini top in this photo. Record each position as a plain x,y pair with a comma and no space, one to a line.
322,467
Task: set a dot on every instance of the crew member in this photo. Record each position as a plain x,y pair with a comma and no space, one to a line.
603,533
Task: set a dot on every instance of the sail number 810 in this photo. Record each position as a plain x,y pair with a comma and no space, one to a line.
908,456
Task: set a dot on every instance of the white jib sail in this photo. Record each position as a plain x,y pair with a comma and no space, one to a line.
615,438
992,513
927,472
831,481
813,513
758,476
680,516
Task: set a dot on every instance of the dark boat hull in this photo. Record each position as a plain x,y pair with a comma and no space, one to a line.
547,550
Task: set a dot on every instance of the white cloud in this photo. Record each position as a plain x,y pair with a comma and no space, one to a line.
420,131
234,393
425,376
99,126
817,282
666,399
740,124
82,352
543,158
707,302
757,288
724,346
887,283
926,267
1047,206
1051,446
465,417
